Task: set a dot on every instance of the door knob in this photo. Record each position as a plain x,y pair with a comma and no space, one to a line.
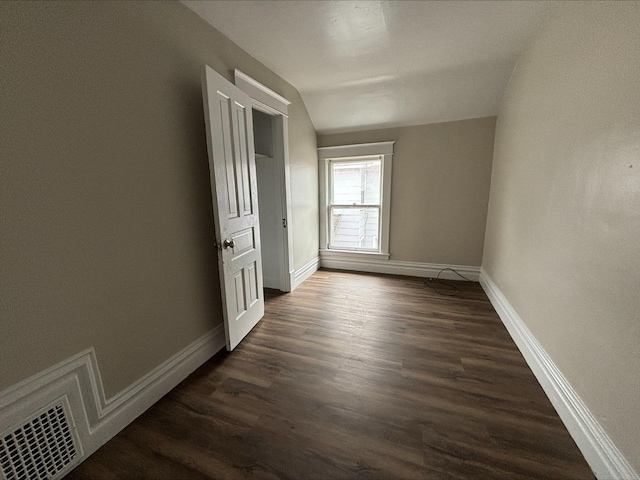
229,243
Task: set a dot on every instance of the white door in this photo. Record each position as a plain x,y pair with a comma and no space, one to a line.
235,204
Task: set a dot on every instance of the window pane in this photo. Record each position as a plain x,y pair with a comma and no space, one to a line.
356,183
354,227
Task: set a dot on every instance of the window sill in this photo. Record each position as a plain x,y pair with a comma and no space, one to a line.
345,254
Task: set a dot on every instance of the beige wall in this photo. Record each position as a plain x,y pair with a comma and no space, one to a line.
440,188
304,185
563,230
106,218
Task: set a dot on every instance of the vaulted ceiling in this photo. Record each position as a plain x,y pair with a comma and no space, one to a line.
372,64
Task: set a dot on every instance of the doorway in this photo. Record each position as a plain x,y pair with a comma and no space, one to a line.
270,208
270,129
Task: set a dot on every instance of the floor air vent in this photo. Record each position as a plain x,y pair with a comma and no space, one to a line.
40,449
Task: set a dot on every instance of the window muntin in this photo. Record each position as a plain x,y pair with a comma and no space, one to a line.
355,193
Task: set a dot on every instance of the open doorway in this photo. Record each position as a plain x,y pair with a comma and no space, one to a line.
270,195
270,128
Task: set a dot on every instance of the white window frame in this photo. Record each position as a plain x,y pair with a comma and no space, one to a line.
383,150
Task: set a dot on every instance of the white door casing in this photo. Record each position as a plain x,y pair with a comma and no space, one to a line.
235,204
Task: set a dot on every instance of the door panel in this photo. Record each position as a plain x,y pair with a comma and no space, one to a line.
234,193
241,114
226,144
244,242
252,274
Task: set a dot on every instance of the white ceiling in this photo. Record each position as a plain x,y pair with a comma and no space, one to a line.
372,64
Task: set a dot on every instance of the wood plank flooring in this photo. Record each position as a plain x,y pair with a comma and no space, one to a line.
354,376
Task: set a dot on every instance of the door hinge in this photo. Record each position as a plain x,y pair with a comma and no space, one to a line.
284,223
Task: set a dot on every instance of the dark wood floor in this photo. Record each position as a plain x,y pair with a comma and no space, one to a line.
354,376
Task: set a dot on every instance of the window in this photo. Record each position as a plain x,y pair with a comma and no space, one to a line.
355,193
354,203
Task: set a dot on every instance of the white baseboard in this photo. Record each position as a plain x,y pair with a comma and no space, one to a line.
603,456
96,418
304,272
360,263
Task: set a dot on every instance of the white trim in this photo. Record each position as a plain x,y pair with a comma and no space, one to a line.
362,262
382,149
356,150
334,254
257,105
261,93
282,131
97,418
304,272
603,456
